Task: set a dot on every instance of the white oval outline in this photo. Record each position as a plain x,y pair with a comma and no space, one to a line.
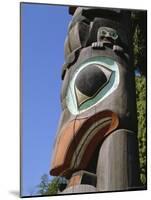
71,98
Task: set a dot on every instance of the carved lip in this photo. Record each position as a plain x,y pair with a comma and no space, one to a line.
77,141
86,139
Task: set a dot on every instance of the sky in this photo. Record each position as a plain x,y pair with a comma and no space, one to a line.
43,32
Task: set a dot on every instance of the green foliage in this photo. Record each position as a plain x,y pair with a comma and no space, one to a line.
141,116
53,186
47,187
137,45
140,62
139,31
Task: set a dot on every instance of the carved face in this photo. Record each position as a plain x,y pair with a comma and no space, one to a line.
97,84
106,32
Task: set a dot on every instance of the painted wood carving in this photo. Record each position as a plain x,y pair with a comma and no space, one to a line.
96,147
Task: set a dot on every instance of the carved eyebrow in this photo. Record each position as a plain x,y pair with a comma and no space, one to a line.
106,29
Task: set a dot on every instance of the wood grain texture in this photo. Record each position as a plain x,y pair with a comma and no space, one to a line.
79,189
117,167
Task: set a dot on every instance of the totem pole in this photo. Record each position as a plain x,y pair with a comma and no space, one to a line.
96,146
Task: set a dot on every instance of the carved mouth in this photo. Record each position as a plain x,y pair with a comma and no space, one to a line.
86,139
107,39
78,141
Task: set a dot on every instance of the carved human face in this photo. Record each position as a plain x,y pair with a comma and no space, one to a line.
106,32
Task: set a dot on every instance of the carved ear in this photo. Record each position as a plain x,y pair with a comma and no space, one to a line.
76,38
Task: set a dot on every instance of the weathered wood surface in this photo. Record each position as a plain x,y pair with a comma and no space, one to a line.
79,189
117,167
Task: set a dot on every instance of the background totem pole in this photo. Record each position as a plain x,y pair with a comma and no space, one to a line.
96,147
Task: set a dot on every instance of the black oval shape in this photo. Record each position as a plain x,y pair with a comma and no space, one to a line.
90,80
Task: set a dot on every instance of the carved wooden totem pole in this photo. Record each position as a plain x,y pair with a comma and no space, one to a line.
96,147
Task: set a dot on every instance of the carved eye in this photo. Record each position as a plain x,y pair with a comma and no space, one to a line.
89,81
106,32
114,35
103,33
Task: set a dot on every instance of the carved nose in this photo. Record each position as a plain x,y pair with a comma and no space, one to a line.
89,81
